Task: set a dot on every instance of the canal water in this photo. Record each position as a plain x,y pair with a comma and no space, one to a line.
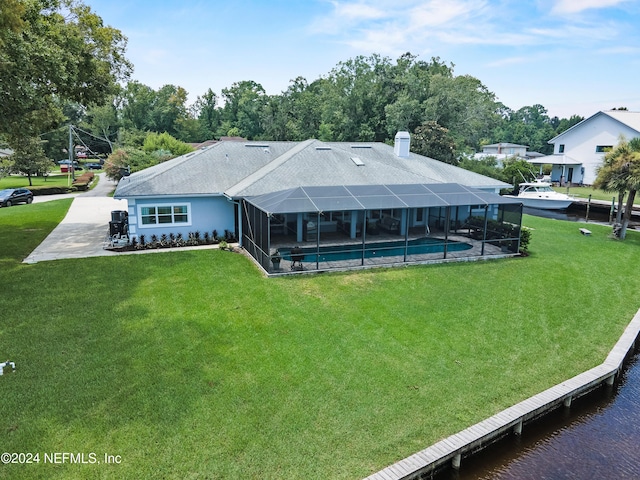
597,438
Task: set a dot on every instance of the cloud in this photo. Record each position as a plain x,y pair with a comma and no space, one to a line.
504,62
386,27
619,50
359,11
443,27
563,7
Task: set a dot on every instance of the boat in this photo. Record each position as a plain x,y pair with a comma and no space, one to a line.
540,195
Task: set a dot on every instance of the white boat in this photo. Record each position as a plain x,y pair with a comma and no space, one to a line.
541,195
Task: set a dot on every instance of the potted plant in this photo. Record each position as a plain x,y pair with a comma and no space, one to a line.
275,259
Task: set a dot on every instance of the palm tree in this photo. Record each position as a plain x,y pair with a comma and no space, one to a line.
620,173
611,176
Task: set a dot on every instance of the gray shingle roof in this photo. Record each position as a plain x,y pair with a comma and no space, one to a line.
240,169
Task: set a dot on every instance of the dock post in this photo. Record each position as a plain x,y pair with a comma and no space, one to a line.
588,207
567,401
455,463
517,428
611,379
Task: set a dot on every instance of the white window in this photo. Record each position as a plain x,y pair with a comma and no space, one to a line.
164,214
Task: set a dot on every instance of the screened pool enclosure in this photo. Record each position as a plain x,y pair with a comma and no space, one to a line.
343,227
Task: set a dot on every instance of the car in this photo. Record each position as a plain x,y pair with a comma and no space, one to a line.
93,166
68,162
11,196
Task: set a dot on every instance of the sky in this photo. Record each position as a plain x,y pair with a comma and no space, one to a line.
571,56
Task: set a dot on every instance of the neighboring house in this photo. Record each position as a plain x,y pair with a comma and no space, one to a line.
579,151
295,183
502,151
509,149
200,146
5,152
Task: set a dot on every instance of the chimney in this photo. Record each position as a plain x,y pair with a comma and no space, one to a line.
402,144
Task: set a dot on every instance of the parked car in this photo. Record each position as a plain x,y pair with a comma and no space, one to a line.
93,166
11,196
67,162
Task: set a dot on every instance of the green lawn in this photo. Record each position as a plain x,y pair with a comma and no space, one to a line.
193,365
53,180
584,192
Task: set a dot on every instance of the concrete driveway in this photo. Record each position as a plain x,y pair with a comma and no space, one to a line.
82,232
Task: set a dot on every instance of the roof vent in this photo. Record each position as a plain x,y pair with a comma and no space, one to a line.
402,144
357,161
256,145
323,148
360,146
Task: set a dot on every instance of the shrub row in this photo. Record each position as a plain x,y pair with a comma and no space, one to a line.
172,240
83,181
45,190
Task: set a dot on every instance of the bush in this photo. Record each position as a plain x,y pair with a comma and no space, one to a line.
44,190
83,181
525,238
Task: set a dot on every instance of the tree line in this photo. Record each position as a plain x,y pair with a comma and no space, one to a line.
365,99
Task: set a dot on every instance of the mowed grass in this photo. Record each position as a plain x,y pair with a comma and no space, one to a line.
55,179
596,194
193,365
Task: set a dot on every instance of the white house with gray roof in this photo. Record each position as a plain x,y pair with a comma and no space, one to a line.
294,189
579,151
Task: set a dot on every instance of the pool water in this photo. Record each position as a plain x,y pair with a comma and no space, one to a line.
380,249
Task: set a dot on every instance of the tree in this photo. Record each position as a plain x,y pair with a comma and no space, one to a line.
102,121
117,164
29,158
243,104
53,50
136,104
129,160
464,106
433,140
206,111
516,170
5,167
155,142
487,166
620,173
354,96
169,109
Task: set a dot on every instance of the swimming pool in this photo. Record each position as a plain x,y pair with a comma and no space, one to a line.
335,253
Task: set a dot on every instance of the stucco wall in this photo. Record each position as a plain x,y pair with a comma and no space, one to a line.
205,215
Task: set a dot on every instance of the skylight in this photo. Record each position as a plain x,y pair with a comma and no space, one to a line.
357,161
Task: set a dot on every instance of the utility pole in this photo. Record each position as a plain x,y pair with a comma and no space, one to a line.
71,168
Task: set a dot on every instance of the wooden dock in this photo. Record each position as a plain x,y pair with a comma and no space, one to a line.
469,441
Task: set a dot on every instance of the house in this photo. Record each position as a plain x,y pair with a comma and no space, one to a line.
502,151
505,150
579,151
310,192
